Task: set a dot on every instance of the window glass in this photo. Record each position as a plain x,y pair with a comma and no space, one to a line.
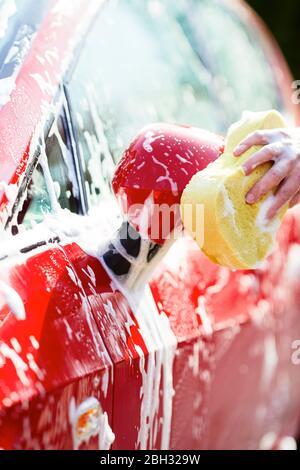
37,203
96,158
136,67
61,166
62,172
243,77
191,62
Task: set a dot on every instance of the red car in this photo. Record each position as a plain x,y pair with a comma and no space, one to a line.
199,357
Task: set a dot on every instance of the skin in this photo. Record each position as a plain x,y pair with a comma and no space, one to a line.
282,148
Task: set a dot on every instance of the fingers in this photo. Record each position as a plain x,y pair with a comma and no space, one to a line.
268,182
256,138
267,153
285,193
279,146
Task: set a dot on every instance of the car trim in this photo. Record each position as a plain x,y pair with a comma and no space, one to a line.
60,109
75,150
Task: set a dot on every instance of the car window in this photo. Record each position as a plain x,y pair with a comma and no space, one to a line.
243,77
37,203
60,165
136,67
93,148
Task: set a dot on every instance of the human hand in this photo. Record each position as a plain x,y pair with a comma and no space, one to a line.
282,147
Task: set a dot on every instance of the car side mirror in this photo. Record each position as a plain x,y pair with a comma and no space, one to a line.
148,183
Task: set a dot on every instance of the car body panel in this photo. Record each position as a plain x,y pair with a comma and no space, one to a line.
243,353
43,353
37,83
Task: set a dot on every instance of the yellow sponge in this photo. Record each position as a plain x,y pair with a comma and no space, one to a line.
235,234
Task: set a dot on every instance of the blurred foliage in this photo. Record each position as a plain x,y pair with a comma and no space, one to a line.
283,19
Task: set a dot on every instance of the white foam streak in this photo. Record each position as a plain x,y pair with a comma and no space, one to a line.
13,300
262,222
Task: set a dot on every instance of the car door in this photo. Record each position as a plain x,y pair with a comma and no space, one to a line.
55,371
180,345
139,338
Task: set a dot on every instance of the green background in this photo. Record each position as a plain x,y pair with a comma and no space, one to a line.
283,19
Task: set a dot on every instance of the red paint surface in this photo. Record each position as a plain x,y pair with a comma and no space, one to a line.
21,115
156,168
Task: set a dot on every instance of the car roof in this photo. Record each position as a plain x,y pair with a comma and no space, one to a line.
58,27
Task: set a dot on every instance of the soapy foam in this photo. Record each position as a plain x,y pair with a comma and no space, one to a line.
161,344
167,176
262,222
7,9
149,139
13,300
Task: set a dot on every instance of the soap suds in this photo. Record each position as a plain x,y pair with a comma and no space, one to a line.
161,345
229,210
13,300
14,60
228,206
167,176
20,366
149,139
7,9
262,222
270,361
